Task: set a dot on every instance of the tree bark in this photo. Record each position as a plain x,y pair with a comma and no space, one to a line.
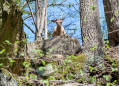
38,16
92,41
111,8
12,30
45,36
40,30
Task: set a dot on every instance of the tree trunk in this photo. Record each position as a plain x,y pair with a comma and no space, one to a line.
12,30
91,30
38,16
45,36
40,30
111,8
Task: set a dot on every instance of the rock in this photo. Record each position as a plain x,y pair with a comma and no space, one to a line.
48,68
7,81
46,71
113,52
63,45
78,84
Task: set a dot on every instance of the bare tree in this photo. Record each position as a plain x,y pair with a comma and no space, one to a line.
111,8
42,22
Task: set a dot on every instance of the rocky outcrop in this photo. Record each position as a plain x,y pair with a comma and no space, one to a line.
7,81
113,52
64,45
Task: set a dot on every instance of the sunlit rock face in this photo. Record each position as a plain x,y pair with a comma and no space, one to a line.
64,45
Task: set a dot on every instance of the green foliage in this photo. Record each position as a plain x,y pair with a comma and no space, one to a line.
93,7
15,50
71,65
1,64
112,19
32,76
116,12
85,38
53,5
50,50
69,5
112,84
70,76
85,19
114,62
42,68
114,69
11,61
25,41
2,51
93,79
22,54
93,48
46,82
106,77
16,42
26,64
43,62
91,68
39,52
51,78
89,14
106,42
8,42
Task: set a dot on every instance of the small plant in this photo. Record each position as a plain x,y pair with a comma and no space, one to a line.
112,84
32,76
93,7
106,77
39,52
11,61
26,64
2,51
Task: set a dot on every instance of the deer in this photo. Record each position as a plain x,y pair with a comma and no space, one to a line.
59,29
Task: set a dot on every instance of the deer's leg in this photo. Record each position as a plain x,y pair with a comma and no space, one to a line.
62,30
54,33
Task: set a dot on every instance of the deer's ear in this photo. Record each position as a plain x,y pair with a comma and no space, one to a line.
53,20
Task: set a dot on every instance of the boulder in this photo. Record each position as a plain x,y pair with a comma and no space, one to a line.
49,68
63,45
78,84
113,52
7,81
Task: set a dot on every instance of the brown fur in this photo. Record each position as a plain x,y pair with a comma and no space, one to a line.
59,29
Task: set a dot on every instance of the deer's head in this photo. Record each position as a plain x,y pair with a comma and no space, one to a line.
58,21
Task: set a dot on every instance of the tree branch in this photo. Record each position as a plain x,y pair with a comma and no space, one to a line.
23,5
32,15
28,16
28,27
113,31
53,3
63,4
